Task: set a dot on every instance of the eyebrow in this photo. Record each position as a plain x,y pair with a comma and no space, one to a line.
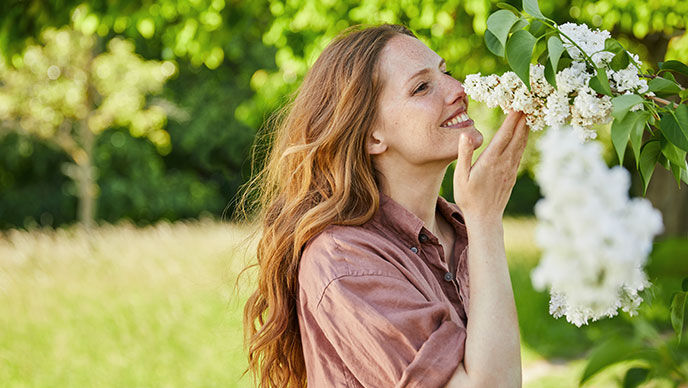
426,70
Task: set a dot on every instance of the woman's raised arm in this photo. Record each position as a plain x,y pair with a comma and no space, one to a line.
492,353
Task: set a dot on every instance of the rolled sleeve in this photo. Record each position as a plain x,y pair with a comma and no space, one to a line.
388,334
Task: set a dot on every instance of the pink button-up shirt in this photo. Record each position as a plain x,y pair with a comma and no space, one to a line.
379,305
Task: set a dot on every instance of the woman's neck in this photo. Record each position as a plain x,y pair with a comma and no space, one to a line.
416,191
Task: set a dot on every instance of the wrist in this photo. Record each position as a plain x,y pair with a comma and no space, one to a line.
484,223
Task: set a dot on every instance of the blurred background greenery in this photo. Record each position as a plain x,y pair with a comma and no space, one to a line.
142,113
234,62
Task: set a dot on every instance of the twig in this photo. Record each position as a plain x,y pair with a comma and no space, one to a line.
662,101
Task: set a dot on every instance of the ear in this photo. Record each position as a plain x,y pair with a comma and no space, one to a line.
376,143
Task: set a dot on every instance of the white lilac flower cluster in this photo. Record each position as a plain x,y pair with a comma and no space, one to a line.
573,101
595,240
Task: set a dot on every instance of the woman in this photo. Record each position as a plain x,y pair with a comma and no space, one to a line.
363,269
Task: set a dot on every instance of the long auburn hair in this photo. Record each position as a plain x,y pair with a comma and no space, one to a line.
317,173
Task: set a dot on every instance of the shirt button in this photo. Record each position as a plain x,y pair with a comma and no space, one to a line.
448,276
414,249
423,237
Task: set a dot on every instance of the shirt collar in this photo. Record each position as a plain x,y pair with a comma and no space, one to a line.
393,215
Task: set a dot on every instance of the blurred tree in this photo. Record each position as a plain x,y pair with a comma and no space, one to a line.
235,69
209,147
66,92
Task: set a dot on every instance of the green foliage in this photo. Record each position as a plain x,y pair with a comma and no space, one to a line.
629,128
498,25
30,190
208,147
555,48
635,377
679,312
610,352
673,118
259,51
600,82
136,184
675,66
66,92
65,82
533,9
519,49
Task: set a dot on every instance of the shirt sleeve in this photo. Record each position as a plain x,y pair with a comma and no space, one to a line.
388,334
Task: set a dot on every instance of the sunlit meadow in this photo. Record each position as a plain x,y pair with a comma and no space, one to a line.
125,306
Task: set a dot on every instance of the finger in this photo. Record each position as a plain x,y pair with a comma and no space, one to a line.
518,144
520,137
463,162
505,133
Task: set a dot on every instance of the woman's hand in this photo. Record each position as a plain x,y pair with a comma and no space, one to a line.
482,190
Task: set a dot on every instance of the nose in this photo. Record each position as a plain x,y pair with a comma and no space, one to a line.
455,91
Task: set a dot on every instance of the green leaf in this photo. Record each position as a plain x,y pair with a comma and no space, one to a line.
682,117
543,57
621,104
519,25
519,49
649,155
622,128
670,77
493,44
540,50
612,45
555,48
549,74
499,23
664,162
663,86
564,62
537,28
674,126
679,309
673,65
673,153
680,173
684,285
637,142
509,7
532,8
620,61
634,377
677,170
600,82
609,353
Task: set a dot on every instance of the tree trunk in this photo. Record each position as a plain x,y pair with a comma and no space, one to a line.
86,184
666,196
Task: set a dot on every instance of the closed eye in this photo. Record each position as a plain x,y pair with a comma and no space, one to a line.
423,86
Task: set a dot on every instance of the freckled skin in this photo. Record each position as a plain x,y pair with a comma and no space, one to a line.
410,118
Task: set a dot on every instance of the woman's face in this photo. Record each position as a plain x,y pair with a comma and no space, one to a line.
422,108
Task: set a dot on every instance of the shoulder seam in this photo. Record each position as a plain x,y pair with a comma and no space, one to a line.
322,294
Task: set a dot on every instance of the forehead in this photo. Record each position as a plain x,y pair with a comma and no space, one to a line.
403,56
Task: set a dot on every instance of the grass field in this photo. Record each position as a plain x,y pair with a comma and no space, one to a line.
156,306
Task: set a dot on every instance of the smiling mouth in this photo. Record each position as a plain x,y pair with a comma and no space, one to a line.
458,120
